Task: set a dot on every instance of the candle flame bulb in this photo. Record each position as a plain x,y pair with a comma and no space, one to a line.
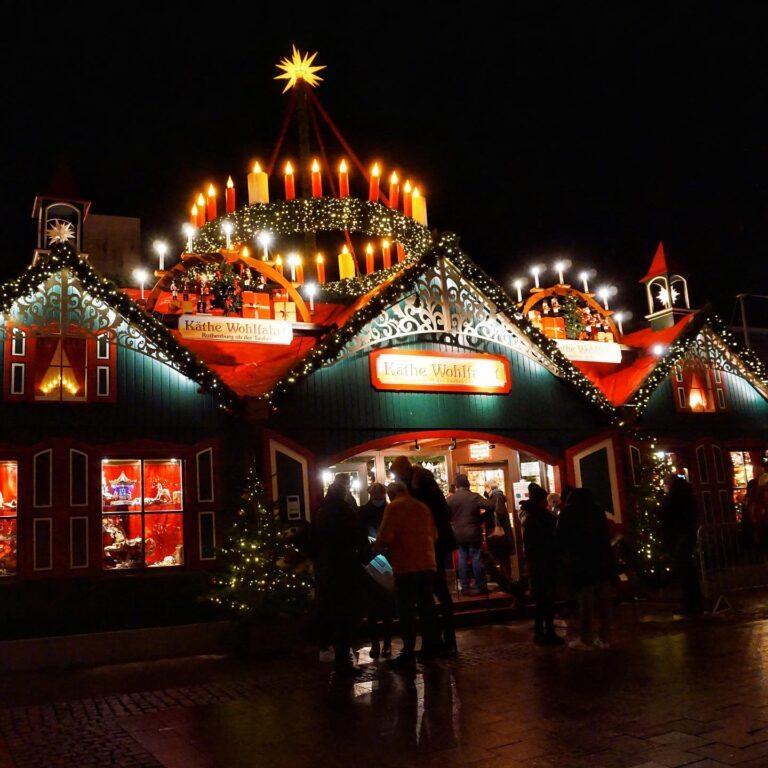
245,253
584,277
375,171
257,167
230,183
288,167
342,169
407,187
315,166
393,178
373,185
200,200
211,190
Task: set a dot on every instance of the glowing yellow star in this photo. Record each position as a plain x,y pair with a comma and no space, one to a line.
299,67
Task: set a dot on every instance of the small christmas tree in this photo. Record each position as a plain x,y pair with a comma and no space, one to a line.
574,324
265,573
652,561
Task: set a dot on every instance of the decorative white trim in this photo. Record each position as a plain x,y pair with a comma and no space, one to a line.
102,369
274,446
71,540
200,533
717,460
23,368
50,479
612,477
102,337
197,476
35,523
16,335
71,478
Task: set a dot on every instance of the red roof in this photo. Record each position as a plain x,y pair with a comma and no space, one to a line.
658,265
619,382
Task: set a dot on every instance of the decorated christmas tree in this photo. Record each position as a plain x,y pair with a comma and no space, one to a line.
651,560
574,325
265,573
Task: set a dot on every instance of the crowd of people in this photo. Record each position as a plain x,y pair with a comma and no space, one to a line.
566,541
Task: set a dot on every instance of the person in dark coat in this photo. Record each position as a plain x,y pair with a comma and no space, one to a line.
378,603
584,540
422,485
680,523
340,551
467,510
498,530
539,544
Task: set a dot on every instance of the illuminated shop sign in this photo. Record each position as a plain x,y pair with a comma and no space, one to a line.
420,371
251,330
590,351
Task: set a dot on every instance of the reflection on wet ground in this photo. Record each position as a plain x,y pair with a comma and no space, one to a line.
670,694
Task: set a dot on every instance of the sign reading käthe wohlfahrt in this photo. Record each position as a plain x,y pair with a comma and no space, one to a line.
425,371
250,330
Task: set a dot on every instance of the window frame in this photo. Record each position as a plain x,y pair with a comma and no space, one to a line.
102,369
18,367
198,454
87,542
71,478
35,522
105,338
16,334
35,504
701,461
200,514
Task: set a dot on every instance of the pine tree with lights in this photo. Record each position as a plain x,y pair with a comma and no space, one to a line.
574,324
651,560
265,573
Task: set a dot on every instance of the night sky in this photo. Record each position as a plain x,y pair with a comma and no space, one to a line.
582,129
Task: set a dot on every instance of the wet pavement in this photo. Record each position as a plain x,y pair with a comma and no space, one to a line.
670,693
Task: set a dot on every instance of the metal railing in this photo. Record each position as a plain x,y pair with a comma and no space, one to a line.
730,561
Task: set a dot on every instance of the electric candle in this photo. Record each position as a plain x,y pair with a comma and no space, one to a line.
279,263
290,184
619,319
535,272
320,265
419,207
200,210
161,248
346,264
189,232
584,277
317,180
311,290
373,186
407,198
265,240
604,293
228,228
229,199
258,185
193,215
394,190
519,289
293,260
211,208
369,265
400,252
559,268
299,269
386,253
343,179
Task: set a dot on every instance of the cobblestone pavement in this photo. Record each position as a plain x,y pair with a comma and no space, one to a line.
669,694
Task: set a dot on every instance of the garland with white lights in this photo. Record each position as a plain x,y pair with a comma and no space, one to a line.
672,354
63,256
328,351
315,215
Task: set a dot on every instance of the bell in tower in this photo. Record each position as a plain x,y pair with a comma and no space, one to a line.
666,292
59,220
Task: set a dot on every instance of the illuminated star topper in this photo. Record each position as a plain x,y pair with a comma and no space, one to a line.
299,67
60,231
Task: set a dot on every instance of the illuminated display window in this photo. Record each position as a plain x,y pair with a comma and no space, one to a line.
60,369
142,513
8,521
697,388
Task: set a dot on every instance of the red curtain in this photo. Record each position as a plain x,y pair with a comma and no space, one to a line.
74,349
45,348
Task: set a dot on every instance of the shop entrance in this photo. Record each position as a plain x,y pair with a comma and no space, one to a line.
482,460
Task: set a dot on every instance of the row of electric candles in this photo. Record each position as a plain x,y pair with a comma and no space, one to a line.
414,204
604,292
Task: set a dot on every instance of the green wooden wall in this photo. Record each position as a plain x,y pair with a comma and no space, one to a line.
747,414
336,407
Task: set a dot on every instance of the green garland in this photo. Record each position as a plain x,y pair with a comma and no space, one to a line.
265,574
322,214
63,256
574,325
331,348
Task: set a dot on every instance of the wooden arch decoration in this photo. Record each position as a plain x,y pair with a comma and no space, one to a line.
189,259
567,290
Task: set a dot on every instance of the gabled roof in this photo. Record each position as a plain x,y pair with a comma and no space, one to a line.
658,265
63,256
329,349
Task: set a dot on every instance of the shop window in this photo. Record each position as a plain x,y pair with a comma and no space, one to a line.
18,342
205,475
142,508
8,521
60,368
207,528
42,481
42,541
698,388
78,542
18,375
78,478
701,461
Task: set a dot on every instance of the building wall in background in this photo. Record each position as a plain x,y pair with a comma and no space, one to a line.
113,245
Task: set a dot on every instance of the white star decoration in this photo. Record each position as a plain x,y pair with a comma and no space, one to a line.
60,231
665,295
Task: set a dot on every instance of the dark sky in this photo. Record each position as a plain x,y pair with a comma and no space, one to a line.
586,129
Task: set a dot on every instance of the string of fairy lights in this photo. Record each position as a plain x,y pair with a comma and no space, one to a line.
63,256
